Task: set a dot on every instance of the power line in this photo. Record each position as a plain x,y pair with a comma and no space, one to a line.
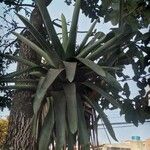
121,123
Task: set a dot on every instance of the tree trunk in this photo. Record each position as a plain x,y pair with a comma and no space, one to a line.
19,132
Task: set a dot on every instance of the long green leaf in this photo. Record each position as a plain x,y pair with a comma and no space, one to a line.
82,127
39,38
103,93
70,92
103,116
10,80
60,117
115,40
40,93
93,66
73,31
70,141
86,37
19,87
21,72
19,59
35,48
70,68
90,48
50,28
112,81
46,130
64,32
100,71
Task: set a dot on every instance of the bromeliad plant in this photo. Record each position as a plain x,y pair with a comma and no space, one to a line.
72,81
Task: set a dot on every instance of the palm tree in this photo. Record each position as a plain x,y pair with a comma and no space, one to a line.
69,83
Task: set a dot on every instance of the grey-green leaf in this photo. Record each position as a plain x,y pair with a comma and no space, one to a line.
112,81
64,32
50,28
103,93
103,116
46,131
43,87
87,36
93,66
83,132
39,38
19,59
96,54
60,118
35,48
70,92
70,68
73,31
91,47
19,87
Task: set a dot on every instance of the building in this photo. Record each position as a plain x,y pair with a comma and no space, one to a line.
128,145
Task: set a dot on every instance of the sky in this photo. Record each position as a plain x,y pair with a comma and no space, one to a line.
123,132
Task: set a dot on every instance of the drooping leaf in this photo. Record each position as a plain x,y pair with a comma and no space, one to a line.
70,141
35,48
87,37
84,138
103,93
60,118
40,93
19,59
70,68
103,116
73,31
46,131
93,66
70,92
64,32
50,28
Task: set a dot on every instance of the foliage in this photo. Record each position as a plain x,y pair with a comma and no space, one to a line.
3,130
69,78
84,75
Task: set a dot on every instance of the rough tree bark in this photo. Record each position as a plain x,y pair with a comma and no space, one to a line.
19,132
